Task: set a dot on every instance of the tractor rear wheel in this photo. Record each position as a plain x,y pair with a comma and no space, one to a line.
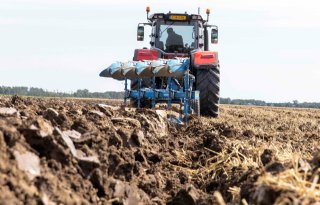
208,83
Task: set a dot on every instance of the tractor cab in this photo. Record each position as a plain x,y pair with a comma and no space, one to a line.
175,34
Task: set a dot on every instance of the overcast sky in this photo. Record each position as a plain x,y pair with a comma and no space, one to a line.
268,50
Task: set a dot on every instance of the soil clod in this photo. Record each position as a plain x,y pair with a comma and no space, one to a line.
78,151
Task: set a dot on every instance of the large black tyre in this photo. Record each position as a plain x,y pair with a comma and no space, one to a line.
145,83
208,83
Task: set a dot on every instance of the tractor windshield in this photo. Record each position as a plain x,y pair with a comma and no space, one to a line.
176,37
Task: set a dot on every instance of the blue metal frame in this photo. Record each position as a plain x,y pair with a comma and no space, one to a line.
172,69
184,95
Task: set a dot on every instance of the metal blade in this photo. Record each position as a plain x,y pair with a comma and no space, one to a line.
147,69
178,67
144,69
128,70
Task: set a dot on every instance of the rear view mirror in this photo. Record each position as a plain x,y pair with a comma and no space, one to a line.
214,35
140,33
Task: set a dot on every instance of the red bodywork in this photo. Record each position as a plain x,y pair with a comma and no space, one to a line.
199,58
205,58
146,54
150,54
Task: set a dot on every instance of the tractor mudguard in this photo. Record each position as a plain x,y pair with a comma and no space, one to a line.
145,54
204,59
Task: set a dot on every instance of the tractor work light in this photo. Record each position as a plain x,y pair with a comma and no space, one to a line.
208,11
148,9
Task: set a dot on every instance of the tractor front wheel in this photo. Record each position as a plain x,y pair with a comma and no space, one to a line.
208,83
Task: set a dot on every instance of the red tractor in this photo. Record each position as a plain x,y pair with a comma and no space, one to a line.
186,36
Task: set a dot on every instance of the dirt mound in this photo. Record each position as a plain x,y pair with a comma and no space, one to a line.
72,151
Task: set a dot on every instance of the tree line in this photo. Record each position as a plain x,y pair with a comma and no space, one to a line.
294,103
39,92
84,93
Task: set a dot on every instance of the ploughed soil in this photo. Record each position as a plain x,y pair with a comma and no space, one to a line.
72,151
